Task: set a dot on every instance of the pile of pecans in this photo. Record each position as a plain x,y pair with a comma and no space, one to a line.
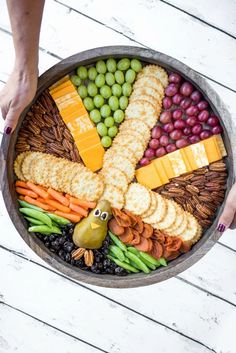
200,192
43,130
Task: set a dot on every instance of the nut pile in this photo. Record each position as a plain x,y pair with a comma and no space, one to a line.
200,192
43,130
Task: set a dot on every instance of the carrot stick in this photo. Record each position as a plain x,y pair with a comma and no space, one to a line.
59,197
36,203
70,216
26,192
50,208
21,197
78,210
21,184
83,203
37,189
67,196
57,205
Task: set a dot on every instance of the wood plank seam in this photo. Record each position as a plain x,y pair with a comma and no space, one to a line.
123,305
133,40
198,18
54,327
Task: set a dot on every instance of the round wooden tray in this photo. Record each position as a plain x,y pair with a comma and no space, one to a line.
8,146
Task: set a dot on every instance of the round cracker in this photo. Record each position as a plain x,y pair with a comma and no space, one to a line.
143,110
191,230
178,231
88,186
26,164
137,199
157,71
135,146
18,165
122,163
114,176
160,211
124,151
169,218
148,92
152,207
178,220
150,81
114,195
131,134
137,125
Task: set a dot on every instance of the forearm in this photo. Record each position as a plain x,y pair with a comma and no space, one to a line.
26,17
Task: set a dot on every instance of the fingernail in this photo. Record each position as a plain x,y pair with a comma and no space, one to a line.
8,130
221,227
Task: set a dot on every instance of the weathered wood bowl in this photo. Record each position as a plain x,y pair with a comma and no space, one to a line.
8,146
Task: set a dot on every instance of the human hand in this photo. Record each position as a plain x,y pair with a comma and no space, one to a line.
228,216
16,95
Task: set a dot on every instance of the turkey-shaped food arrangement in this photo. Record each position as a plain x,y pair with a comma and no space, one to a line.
120,167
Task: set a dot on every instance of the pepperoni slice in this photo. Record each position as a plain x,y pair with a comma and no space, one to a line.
122,219
132,217
147,231
170,255
159,236
136,237
185,247
150,244
115,228
139,226
127,236
157,250
143,245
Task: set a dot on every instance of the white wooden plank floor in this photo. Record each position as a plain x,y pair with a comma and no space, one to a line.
42,310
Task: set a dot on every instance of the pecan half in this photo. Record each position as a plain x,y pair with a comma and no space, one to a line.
78,253
88,258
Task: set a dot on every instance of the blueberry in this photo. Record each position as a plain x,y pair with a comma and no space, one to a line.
94,268
51,237
79,263
67,257
46,238
105,244
107,263
68,246
55,245
47,244
61,253
100,266
62,240
109,271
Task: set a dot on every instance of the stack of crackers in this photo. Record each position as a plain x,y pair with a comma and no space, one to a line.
60,174
163,214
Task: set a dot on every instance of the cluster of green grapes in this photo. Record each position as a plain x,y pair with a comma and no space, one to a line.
105,89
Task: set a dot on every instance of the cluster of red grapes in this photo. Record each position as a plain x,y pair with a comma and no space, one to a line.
185,119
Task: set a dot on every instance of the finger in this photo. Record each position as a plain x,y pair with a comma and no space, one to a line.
233,224
226,218
11,121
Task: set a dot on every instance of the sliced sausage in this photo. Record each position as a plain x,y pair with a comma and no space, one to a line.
115,228
147,231
143,245
127,236
136,237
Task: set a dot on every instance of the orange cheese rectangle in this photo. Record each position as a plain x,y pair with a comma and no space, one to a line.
167,166
221,145
73,108
86,134
212,149
148,176
87,142
80,125
190,157
79,113
61,86
93,157
59,82
160,171
62,92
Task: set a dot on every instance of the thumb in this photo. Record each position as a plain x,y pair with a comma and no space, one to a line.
11,120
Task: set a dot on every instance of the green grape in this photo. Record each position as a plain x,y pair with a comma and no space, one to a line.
82,72
98,101
100,80
119,116
106,141
109,122
110,79
111,65
123,102
113,103
136,65
105,111
126,89
130,76
112,131
92,89
105,91
101,67
102,129
92,73
123,64
116,90
88,103
82,90
76,80
95,116
119,76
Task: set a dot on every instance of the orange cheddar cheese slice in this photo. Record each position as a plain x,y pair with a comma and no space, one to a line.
80,136
68,96
87,142
212,149
177,163
190,158
63,85
80,113
167,167
185,159
199,154
148,176
73,108
221,145
93,157
64,91
161,171
80,124
59,82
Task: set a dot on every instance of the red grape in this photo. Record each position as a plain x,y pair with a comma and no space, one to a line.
213,121
193,110
197,129
144,161
176,135
193,139
177,98
156,132
191,121
202,105
160,152
196,96
181,143
205,134
170,148
217,130
187,131
171,90
167,102
203,115
174,77
185,103
186,89
179,124
168,127
177,114
164,140
149,153
154,143
165,117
